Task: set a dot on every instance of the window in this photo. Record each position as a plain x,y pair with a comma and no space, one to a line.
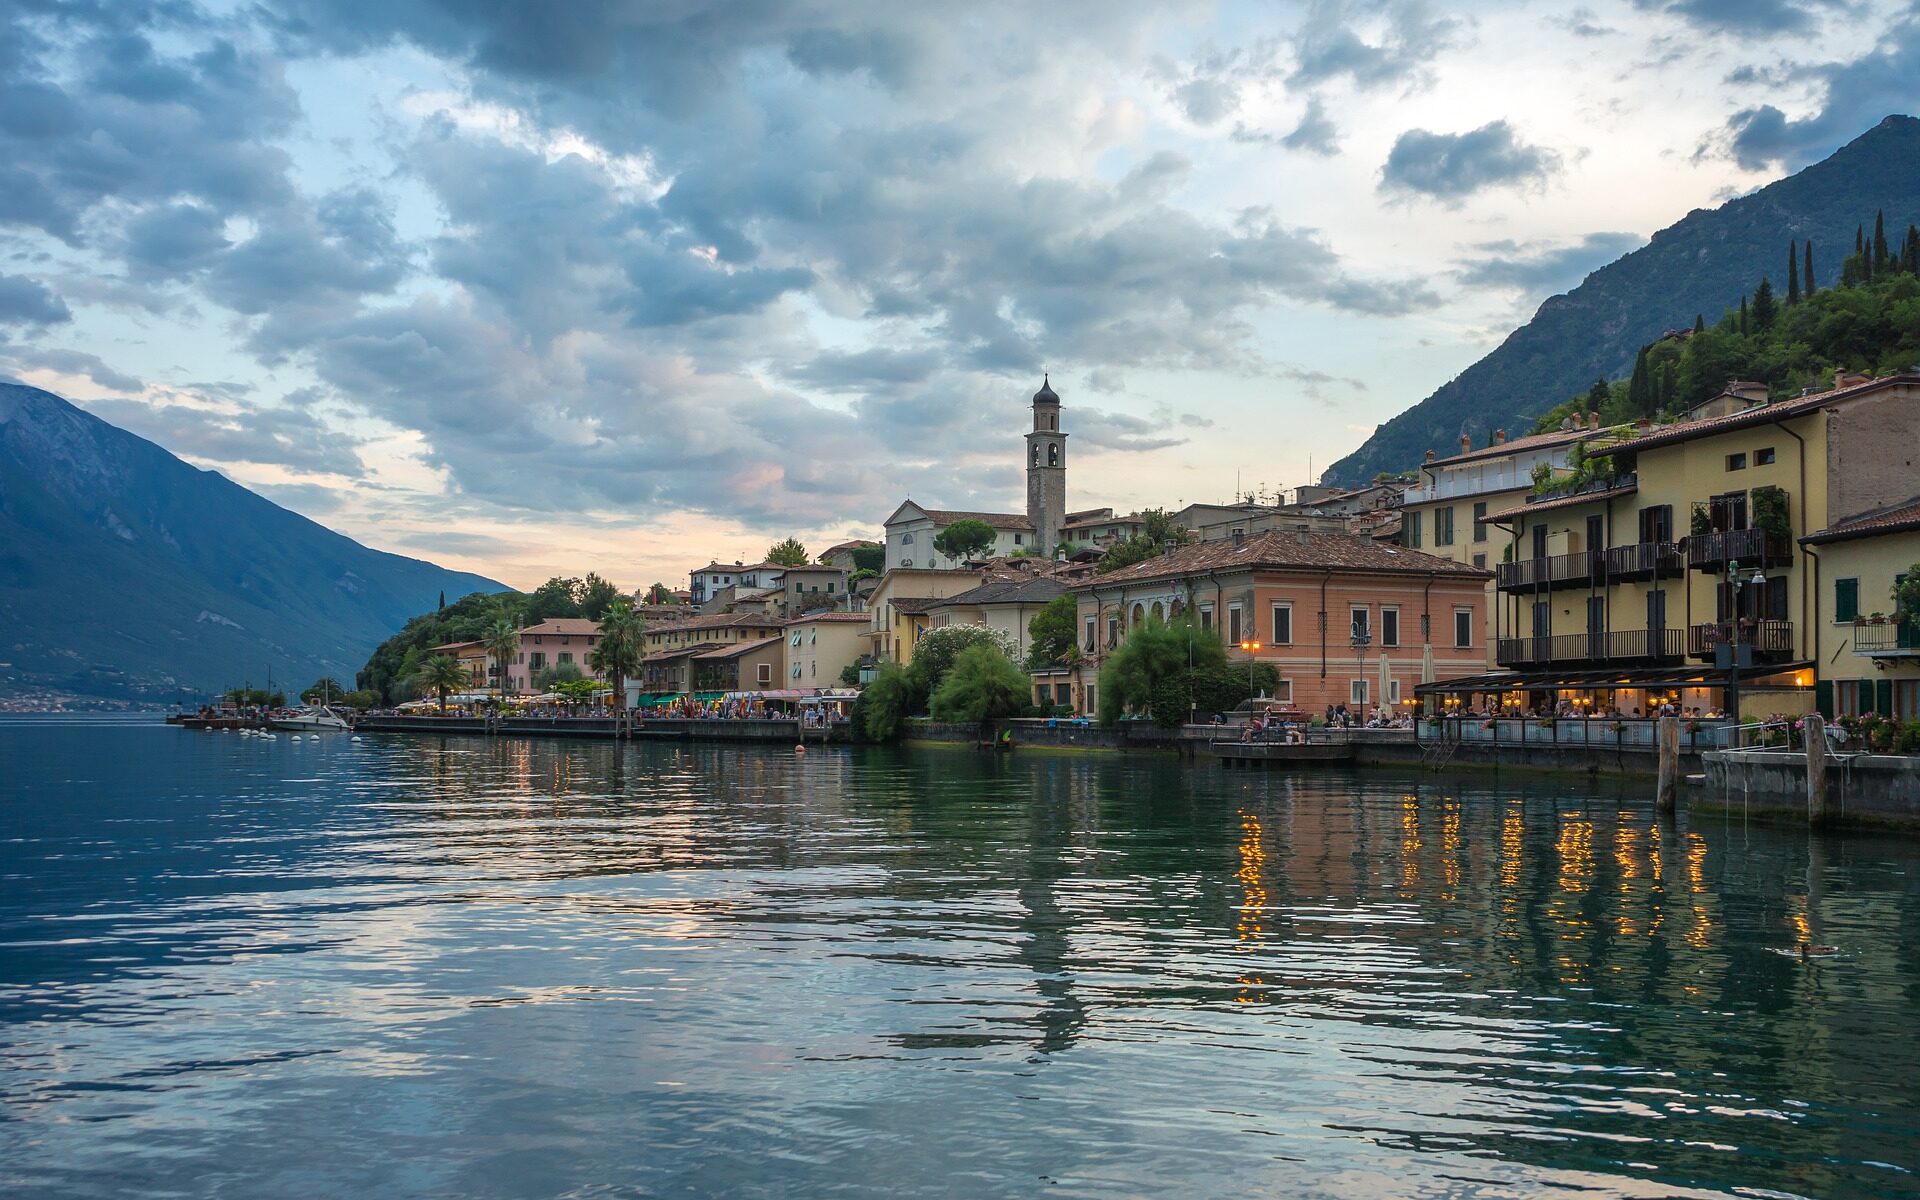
1480,522
765,673
1736,462
1763,457
1479,562
796,585
795,673
1846,599
1113,630
1283,624
1090,635
906,539
1393,691
1018,538
1357,692
1283,691
537,660
1410,532
1389,627
796,638
1206,617
1360,625
1443,526
1233,624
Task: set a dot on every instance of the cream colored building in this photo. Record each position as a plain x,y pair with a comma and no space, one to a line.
897,608
1006,606
822,645
1868,649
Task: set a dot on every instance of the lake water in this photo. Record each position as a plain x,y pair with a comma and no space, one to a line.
424,967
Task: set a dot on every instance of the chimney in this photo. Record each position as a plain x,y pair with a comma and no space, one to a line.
1839,377
1566,424
1466,443
1166,551
1431,456
1300,535
1593,420
1239,537
1499,437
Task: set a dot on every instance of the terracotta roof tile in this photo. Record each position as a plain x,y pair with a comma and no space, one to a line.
1897,518
735,651
837,617
1532,441
1283,550
1527,510
1759,414
1008,591
947,516
556,626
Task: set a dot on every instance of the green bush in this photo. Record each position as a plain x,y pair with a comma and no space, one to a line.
885,704
982,684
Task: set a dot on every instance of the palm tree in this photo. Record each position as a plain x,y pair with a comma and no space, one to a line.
442,673
623,639
502,641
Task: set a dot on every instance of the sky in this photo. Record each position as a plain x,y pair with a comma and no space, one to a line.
540,289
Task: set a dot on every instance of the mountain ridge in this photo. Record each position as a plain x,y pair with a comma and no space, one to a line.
128,574
1700,264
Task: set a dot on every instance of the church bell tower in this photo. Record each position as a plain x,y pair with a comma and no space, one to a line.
1046,471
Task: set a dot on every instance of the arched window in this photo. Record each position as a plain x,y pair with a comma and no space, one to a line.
1053,454
1139,615
906,539
1158,613
1034,458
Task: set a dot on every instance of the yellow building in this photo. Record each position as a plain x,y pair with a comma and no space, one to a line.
1445,511
1671,573
1869,650
897,609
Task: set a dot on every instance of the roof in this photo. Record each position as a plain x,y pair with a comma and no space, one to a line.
452,646
836,617
1527,510
855,544
1895,518
1759,414
678,652
1008,591
559,626
1076,521
735,651
914,604
714,621
1283,550
1532,441
947,516
717,565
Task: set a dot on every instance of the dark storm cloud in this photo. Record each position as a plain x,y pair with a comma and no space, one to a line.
1856,96
1452,166
26,301
1745,17
1544,270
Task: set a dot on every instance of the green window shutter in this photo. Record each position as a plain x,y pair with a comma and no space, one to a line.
1883,697
1846,599
1823,697
1863,694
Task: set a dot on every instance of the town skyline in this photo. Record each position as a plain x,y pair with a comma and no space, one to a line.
538,302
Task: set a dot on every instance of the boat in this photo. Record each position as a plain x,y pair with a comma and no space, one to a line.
311,720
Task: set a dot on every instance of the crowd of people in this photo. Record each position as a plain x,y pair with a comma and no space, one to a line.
1567,709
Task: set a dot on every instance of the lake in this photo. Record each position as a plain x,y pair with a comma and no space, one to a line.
498,968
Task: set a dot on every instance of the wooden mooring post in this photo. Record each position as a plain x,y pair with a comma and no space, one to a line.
1814,729
1667,794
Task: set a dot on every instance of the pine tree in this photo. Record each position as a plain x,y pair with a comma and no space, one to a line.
1599,396
1763,305
1879,242
1793,273
1806,275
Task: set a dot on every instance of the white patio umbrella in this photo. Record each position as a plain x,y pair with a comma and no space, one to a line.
1386,682
1426,672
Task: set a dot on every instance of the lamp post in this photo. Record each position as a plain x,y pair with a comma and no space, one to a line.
1251,648
1733,648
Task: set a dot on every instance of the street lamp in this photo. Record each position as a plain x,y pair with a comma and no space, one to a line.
1733,648
1252,648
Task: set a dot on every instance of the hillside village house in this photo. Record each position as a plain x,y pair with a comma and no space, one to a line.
472,657
897,609
821,646
1445,511
841,556
1867,650
744,667
1345,619
552,642
1007,606
1677,577
668,670
911,531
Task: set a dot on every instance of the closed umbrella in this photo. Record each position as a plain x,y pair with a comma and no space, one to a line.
1386,681
1426,671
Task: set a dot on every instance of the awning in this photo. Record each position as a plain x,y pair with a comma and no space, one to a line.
1547,681
658,698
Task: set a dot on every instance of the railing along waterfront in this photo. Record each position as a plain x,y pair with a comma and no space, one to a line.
1752,547
1620,645
1773,639
1594,733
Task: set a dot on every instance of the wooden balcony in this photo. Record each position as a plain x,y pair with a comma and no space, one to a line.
1748,547
1645,560
1556,571
1641,647
1771,641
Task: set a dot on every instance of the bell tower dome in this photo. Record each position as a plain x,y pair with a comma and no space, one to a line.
1046,471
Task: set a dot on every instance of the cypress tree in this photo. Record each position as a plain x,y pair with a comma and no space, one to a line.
1763,306
1912,255
1879,241
1669,379
1743,316
1859,239
1599,396
1806,274
1793,273
1699,322
1640,388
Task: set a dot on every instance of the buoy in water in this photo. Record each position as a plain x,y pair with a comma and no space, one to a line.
799,749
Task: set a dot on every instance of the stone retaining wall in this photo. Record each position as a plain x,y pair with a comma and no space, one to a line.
1866,789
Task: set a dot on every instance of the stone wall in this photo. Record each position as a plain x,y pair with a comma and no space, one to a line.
1865,789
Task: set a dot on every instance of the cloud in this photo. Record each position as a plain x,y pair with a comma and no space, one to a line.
1539,269
1453,166
287,435
1315,133
1855,96
1332,43
1746,18
24,359
26,301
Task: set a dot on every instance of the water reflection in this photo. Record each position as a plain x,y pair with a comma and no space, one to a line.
510,967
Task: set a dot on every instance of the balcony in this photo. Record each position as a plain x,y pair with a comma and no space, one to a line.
1771,641
1886,639
1557,571
1645,560
1748,547
1641,647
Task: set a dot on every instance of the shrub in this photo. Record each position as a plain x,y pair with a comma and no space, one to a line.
983,684
885,703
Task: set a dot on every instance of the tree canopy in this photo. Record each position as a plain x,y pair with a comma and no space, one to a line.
1054,634
1158,529
788,553
983,684
965,539
440,674
1166,671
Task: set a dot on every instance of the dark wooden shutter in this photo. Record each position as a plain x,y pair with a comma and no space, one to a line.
1823,697
1883,697
1846,599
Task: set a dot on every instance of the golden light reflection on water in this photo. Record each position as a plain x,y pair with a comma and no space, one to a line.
1626,863
1450,852
1410,842
1700,929
1513,830
1574,848
1249,928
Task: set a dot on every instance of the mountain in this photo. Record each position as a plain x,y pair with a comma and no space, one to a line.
126,574
1702,264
